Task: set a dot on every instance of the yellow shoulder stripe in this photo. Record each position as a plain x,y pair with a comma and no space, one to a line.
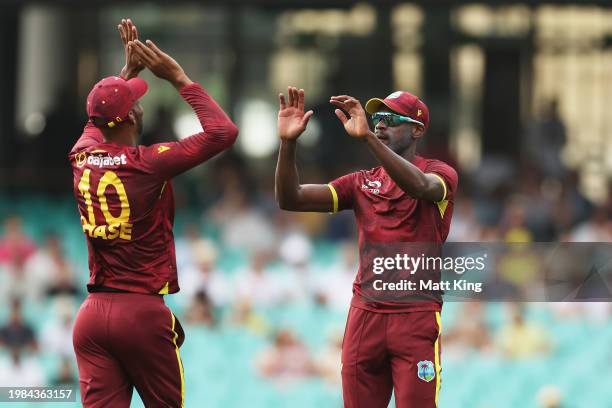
442,207
334,198
443,203
443,185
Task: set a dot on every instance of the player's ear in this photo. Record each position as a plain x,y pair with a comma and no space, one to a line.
417,131
132,117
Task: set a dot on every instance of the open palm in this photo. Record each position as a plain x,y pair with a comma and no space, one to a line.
292,120
355,123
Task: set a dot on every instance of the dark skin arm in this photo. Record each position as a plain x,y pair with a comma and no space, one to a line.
290,194
405,174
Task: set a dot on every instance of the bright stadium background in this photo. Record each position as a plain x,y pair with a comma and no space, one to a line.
519,95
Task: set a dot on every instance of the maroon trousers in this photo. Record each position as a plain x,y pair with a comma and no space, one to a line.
127,340
396,351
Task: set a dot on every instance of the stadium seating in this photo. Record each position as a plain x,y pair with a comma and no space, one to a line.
220,362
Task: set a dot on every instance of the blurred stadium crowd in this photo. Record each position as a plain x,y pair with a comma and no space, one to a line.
265,293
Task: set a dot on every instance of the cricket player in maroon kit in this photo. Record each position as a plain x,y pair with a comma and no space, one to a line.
124,335
387,345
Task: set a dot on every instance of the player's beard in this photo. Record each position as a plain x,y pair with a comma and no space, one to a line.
401,143
399,146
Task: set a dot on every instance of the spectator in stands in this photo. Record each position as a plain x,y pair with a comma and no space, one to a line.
17,333
547,138
15,249
522,339
465,226
184,246
539,196
572,207
513,222
598,228
550,396
63,284
65,375
596,312
286,360
553,135
19,371
15,246
521,267
328,363
255,285
335,284
296,281
242,225
49,272
51,267
200,311
56,334
469,334
204,276
245,316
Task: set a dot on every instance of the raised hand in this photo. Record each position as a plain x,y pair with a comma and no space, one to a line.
355,123
133,65
292,120
159,63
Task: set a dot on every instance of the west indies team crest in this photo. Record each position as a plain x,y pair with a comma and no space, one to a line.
426,371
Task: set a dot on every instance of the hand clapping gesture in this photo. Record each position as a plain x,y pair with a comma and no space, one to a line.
133,65
292,120
356,123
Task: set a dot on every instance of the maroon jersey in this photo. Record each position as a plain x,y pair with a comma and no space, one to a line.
126,202
387,214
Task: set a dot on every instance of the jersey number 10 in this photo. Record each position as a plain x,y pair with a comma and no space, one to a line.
116,227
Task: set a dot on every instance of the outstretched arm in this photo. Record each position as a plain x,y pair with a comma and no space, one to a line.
407,176
290,194
167,160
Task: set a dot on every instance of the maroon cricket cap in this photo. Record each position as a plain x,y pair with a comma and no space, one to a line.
403,103
112,98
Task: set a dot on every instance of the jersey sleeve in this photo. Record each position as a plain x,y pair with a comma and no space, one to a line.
447,175
342,190
167,160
